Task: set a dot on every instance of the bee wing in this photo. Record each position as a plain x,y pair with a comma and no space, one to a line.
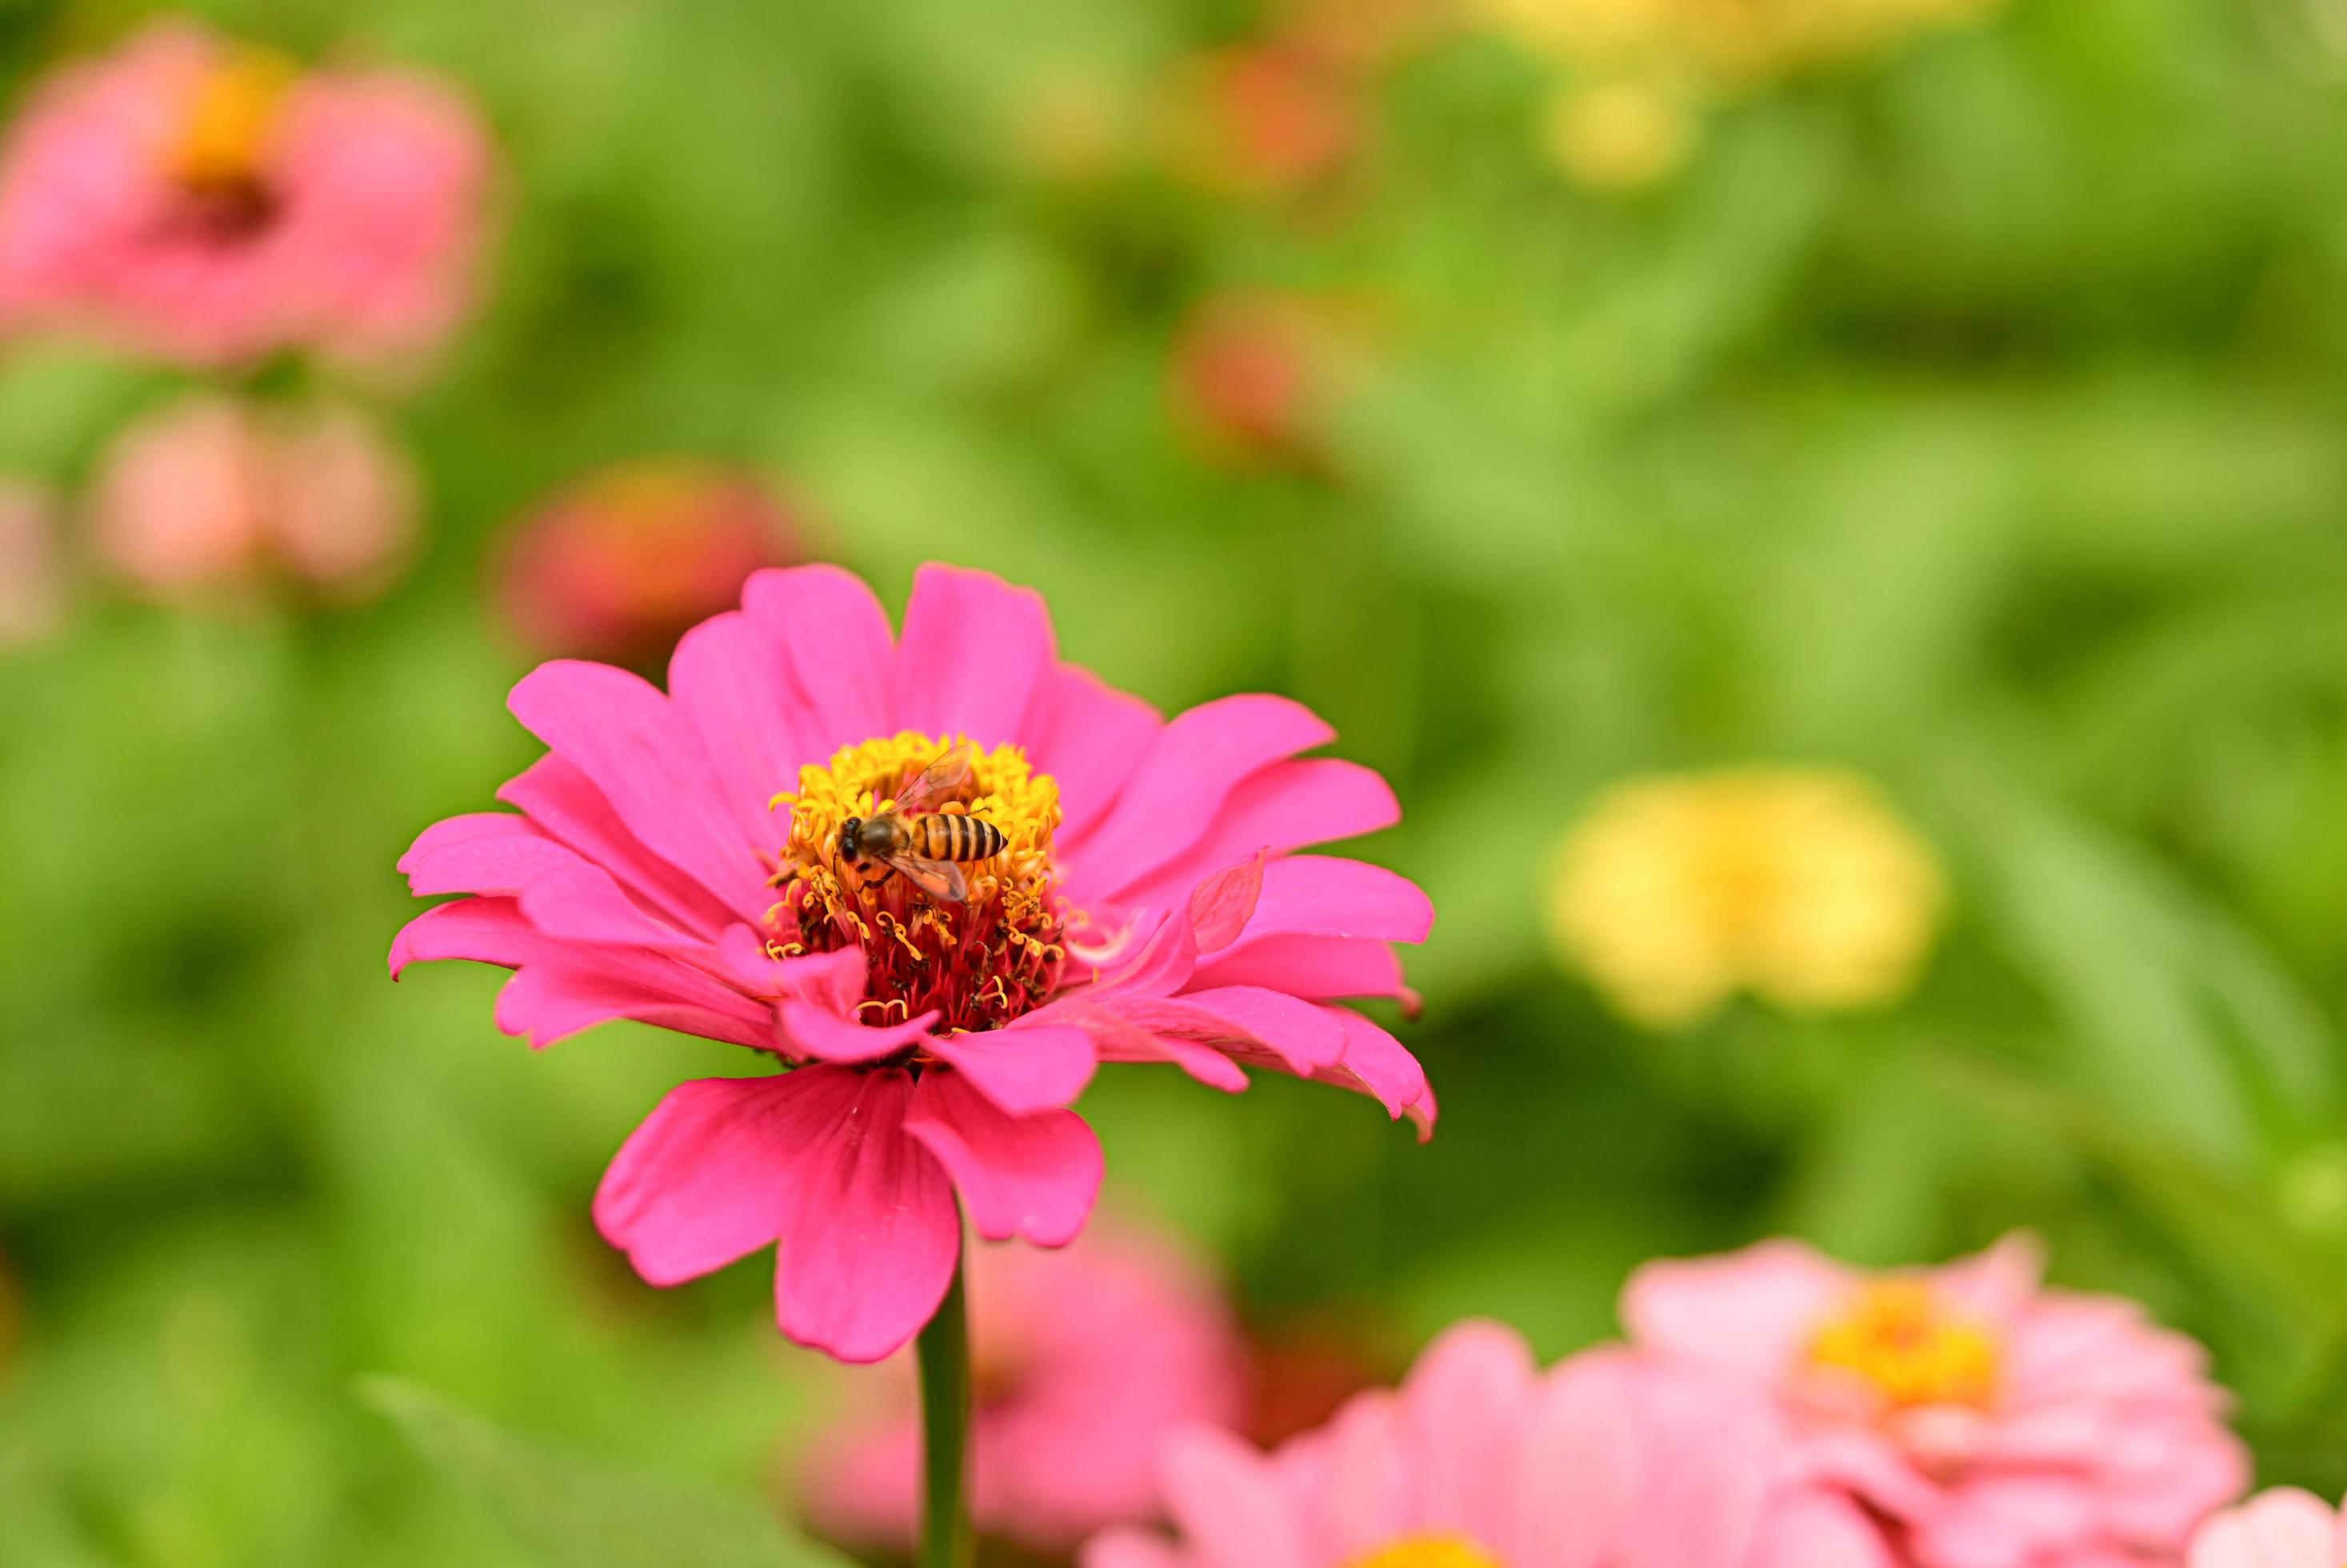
940,879
946,773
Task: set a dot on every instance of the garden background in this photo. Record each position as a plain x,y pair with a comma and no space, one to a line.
1965,407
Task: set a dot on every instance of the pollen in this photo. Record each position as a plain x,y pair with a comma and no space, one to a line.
1430,1552
223,143
980,963
1897,1336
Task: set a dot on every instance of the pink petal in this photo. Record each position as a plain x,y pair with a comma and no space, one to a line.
839,646
552,1000
731,679
1325,895
1121,1030
581,903
1575,1470
1023,1069
1228,1504
973,649
814,1030
1089,736
1460,1411
1195,762
1034,1176
1751,1310
870,1234
1708,1456
481,851
565,804
621,733
1381,1067
706,1179
1302,1037
2283,1527
1821,1530
1221,906
565,987
1282,807
1125,1547
1322,967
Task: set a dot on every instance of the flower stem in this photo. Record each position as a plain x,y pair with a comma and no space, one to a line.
947,1539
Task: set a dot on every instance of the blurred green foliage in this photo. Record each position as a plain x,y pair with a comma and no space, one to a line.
1973,418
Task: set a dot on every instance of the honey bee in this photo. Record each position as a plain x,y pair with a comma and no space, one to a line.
927,849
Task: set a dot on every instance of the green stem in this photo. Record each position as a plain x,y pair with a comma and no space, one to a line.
947,1539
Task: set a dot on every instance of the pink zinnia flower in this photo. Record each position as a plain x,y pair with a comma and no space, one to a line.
621,564
1145,906
217,495
1481,1461
2284,1528
209,202
1083,1361
1985,1421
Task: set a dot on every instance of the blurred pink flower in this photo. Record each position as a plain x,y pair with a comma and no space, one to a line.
1083,1361
2284,1528
31,570
1985,1421
207,202
621,564
1610,1460
1144,906
217,495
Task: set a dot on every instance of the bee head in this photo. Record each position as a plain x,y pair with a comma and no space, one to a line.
851,835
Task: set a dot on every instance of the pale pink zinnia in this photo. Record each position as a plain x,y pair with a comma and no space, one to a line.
210,202
218,495
2284,1528
1083,1360
1146,907
1982,1419
1610,1460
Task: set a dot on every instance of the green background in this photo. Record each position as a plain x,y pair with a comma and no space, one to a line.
1976,417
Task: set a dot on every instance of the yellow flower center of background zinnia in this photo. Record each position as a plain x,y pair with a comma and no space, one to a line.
1430,1552
980,963
1897,1337
223,143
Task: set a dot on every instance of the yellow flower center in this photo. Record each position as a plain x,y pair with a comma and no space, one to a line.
1896,1337
980,963
224,142
1430,1552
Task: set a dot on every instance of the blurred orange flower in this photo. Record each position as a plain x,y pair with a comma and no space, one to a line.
623,563
1270,118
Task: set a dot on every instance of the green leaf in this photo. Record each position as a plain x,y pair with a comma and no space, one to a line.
575,1512
2185,1023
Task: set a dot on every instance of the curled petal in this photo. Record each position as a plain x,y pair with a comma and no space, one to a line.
814,1030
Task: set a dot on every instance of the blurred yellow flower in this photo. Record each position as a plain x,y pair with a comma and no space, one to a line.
1620,135
1800,886
1615,121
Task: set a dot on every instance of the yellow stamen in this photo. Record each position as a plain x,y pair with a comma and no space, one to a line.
1896,1337
1430,1552
225,142
980,963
